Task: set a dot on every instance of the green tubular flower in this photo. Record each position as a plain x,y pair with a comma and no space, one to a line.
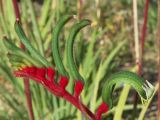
20,32
55,45
18,52
144,88
70,59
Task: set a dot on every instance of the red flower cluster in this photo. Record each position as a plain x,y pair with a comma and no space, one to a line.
45,76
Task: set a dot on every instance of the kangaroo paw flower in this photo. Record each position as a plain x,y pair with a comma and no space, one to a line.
45,76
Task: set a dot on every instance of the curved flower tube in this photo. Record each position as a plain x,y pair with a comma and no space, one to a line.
144,88
20,32
55,45
70,59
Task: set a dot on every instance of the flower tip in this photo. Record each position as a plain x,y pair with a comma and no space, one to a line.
149,84
17,19
101,109
17,73
149,89
51,73
79,85
17,22
63,82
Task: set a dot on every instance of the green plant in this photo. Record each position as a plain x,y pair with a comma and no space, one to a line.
87,55
39,74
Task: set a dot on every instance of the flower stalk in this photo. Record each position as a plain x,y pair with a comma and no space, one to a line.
45,76
28,98
26,80
139,48
144,28
16,9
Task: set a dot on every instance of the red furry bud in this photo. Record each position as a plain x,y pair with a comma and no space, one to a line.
50,73
101,109
63,82
78,88
45,76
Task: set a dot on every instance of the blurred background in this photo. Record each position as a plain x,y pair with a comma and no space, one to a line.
100,50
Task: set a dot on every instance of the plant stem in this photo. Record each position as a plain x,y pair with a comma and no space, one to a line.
26,80
3,20
139,50
121,103
16,9
135,19
59,90
79,9
158,47
143,32
36,27
28,98
145,108
98,10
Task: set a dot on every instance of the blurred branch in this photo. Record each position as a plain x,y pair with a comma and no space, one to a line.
137,50
79,8
26,81
35,27
98,9
144,29
16,9
28,98
158,47
136,36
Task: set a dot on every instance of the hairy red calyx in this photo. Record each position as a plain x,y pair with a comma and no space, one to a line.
45,76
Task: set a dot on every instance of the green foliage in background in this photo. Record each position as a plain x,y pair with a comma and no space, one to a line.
99,51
